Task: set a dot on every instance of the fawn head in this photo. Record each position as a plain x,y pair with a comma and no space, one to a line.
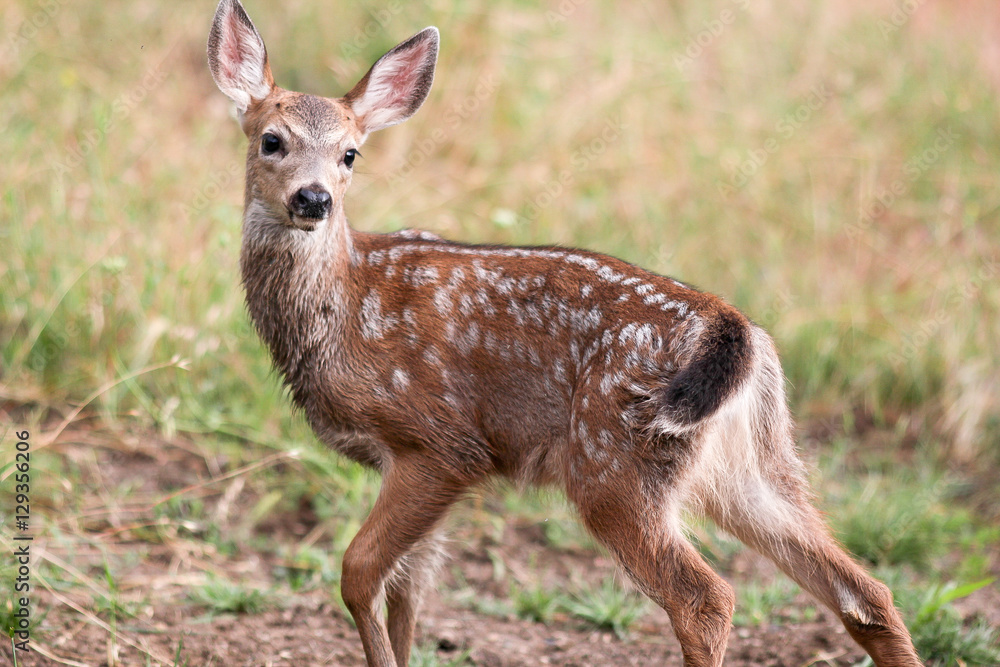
302,147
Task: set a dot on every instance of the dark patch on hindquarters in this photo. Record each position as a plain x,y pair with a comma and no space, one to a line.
719,364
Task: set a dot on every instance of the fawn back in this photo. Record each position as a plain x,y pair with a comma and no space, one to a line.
443,364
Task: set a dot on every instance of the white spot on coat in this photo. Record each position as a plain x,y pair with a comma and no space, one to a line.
373,323
400,379
609,274
588,262
442,301
418,276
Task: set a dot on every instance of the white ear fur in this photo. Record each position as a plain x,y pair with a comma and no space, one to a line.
237,56
397,84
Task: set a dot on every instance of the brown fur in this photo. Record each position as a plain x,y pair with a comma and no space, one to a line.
442,365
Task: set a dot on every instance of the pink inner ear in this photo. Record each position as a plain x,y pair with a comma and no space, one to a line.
404,77
232,52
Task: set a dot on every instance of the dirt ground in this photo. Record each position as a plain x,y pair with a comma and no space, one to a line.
307,634
310,629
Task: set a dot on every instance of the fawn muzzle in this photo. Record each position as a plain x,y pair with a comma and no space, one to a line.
311,203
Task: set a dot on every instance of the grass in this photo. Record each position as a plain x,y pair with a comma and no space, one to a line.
759,603
946,640
10,616
224,597
179,659
902,519
120,198
535,603
715,546
940,634
427,656
309,567
128,255
607,607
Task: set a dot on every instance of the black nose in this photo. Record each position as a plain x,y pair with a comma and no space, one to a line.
312,202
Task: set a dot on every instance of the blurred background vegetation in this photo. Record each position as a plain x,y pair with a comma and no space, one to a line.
829,167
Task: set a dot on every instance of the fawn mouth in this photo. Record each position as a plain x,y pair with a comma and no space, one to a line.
303,223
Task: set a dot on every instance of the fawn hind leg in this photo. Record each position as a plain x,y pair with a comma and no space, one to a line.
631,512
750,480
784,526
405,591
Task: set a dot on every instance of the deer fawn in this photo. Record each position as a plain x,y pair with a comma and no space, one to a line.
441,364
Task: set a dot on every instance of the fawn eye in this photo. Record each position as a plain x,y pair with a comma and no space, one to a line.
349,157
269,144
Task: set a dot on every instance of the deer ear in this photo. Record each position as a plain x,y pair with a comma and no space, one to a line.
237,56
397,84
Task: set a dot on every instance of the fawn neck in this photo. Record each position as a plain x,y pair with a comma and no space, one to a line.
296,283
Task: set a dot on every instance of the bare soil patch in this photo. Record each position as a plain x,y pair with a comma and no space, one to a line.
310,628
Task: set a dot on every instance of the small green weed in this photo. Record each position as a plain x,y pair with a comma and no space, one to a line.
535,603
180,661
608,607
112,604
942,638
940,635
10,616
758,603
946,640
491,606
427,656
307,568
895,521
225,597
